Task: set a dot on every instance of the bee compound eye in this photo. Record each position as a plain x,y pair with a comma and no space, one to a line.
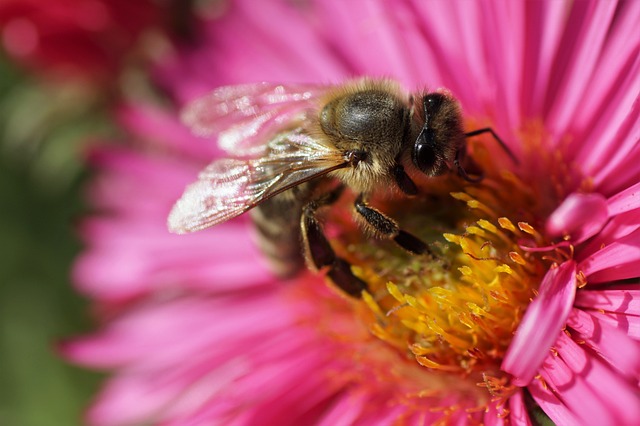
424,154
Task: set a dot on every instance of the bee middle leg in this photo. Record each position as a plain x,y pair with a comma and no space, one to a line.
386,227
318,250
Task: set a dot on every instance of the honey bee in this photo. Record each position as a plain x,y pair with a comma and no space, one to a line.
293,149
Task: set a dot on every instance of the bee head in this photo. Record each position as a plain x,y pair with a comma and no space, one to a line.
441,134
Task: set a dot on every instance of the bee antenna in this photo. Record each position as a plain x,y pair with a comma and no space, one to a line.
497,138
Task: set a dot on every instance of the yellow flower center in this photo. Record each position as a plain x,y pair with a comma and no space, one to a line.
455,312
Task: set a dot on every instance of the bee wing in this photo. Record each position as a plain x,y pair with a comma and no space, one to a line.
229,187
244,116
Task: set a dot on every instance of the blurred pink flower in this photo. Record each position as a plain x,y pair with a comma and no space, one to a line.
197,331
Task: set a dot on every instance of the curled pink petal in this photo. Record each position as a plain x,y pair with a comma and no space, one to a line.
541,324
580,216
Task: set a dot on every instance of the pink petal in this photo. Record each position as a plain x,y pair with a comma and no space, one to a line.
614,346
164,367
580,215
625,173
438,40
345,411
383,30
163,128
151,259
616,139
136,193
130,180
495,414
277,44
624,299
589,23
545,28
469,24
628,324
617,261
618,395
605,84
619,226
553,407
519,416
141,335
542,322
290,39
625,201
570,387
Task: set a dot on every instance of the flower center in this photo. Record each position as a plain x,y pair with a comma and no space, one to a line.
455,311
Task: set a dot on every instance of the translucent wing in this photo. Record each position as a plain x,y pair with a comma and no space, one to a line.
245,116
230,187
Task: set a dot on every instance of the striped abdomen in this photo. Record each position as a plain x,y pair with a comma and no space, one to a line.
277,222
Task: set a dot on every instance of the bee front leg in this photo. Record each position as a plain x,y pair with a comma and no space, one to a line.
320,254
386,227
461,155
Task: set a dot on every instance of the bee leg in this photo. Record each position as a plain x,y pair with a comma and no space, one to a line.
461,155
320,254
386,227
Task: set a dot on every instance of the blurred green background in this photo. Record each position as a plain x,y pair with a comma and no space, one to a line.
42,133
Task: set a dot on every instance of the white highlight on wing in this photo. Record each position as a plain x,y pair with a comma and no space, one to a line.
229,187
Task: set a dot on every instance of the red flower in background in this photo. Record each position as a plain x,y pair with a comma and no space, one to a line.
88,39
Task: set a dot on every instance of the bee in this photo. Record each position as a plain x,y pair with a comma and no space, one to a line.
293,149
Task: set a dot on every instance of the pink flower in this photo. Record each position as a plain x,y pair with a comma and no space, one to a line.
532,301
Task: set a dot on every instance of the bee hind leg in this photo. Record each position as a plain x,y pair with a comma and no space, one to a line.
386,227
320,254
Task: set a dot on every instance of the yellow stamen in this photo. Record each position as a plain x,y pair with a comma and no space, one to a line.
507,224
455,311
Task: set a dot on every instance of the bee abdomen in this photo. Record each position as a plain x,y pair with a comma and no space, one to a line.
277,222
